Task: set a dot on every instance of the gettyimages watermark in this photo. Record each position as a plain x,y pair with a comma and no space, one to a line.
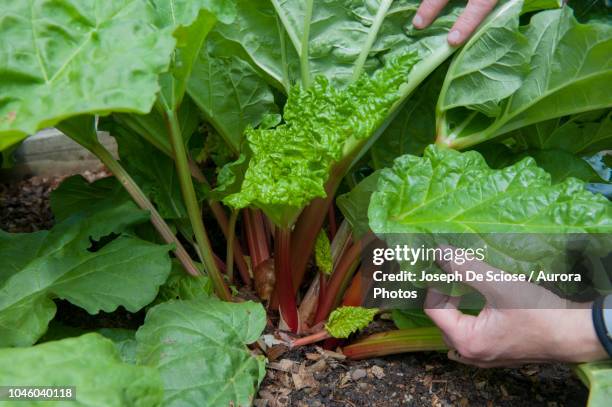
573,269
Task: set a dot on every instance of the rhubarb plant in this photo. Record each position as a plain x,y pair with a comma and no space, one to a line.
238,123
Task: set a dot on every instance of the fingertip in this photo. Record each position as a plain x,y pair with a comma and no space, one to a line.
418,22
455,38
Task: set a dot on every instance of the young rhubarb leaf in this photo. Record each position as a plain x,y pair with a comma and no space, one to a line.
127,271
62,59
344,321
567,63
323,256
291,163
199,348
78,362
354,204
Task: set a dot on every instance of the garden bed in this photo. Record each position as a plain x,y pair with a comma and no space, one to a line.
311,376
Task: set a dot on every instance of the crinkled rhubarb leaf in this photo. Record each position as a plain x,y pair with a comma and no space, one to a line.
183,286
59,264
199,348
89,363
568,63
450,192
344,321
291,163
62,59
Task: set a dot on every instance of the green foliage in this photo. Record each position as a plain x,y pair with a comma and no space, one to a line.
50,74
291,163
544,71
63,265
322,253
91,364
344,321
199,348
450,192
182,286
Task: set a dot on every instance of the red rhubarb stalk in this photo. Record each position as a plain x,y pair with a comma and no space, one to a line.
307,340
256,236
397,341
284,284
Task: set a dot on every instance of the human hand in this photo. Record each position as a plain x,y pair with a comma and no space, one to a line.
503,334
466,24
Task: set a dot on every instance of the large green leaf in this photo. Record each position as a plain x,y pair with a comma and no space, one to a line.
450,192
62,59
60,263
90,364
291,163
568,63
199,348
354,204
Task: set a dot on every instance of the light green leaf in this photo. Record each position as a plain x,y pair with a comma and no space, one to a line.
58,264
62,59
449,192
322,252
80,363
199,348
291,163
344,321
597,376
568,63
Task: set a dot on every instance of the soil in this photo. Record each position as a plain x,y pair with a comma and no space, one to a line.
311,376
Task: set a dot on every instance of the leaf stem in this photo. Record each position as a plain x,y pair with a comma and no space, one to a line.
191,203
372,34
304,56
143,202
314,338
230,244
284,283
396,341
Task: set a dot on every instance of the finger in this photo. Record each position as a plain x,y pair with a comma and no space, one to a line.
427,12
444,313
469,20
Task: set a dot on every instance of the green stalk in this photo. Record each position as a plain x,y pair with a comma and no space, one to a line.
230,244
397,341
191,203
383,8
143,202
304,63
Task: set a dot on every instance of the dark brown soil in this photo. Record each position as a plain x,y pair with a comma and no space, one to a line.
310,376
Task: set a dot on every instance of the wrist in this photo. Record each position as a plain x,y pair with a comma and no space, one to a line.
577,340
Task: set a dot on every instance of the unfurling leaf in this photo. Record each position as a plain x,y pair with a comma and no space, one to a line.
345,321
323,255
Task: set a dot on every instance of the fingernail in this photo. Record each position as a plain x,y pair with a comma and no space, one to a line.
417,21
454,37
